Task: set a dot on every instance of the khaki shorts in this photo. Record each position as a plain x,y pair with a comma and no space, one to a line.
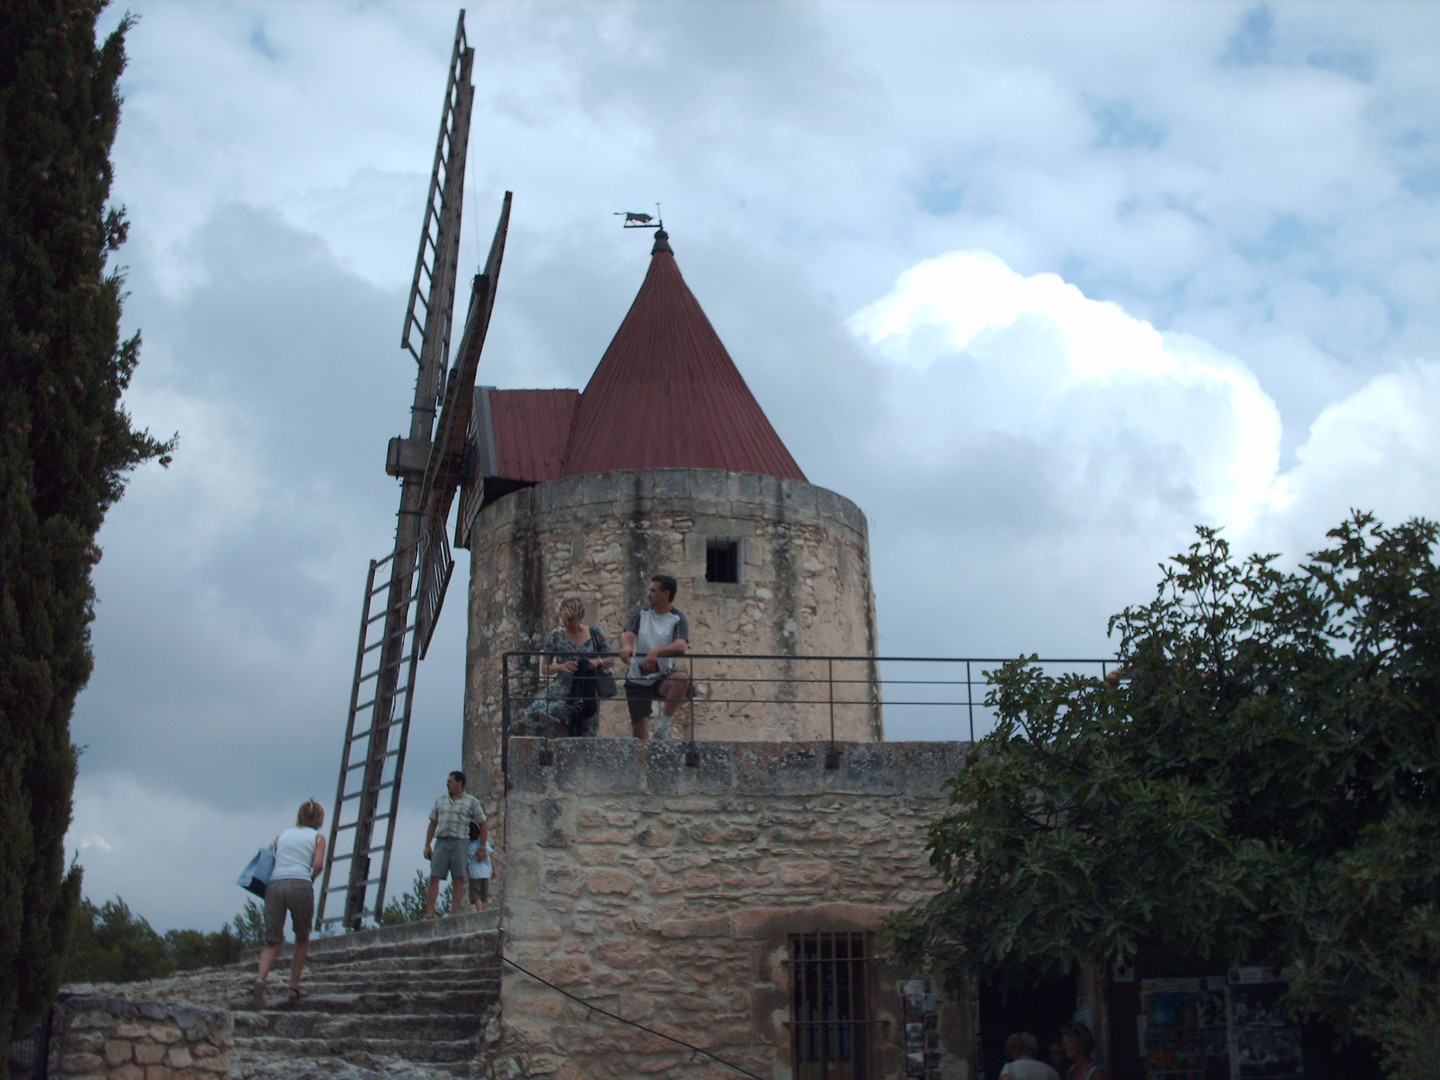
295,895
450,857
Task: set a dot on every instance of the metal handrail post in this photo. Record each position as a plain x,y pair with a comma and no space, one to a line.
970,698
692,752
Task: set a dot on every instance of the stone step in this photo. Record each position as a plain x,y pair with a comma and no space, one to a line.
463,966
404,1001
349,997
393,988
461,933
361,1066
357,1049
312,1021
394,972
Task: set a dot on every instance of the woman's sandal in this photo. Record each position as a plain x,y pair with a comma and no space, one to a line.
297,992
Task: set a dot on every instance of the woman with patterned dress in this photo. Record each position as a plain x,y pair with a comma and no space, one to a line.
564,708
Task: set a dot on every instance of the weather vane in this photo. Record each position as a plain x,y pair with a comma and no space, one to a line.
635,220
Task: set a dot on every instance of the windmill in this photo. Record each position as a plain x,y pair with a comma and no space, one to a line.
431,464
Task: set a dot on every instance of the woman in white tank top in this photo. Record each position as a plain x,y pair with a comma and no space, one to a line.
299,858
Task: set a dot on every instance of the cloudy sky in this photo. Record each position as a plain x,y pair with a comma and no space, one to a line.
1038,286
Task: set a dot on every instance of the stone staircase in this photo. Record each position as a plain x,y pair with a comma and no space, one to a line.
410,1002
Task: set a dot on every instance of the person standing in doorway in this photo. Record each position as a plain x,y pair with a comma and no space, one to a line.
656,634
1023,1050
1079,1046
447,841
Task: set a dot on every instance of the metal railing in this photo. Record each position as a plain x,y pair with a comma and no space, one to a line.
839,698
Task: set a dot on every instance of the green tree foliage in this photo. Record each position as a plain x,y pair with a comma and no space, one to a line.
191,949
249,926
1262,786
110,943
66,446
410,906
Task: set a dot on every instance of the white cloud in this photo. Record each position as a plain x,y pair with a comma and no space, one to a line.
1376,450
980,349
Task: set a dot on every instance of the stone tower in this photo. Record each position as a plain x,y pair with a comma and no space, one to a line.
665,463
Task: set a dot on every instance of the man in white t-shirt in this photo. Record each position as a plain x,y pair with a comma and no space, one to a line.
1023,1049
655,635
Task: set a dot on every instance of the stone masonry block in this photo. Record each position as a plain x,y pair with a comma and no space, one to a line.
869,769
91,1018
717,926
667,484
745,488
778,768
599,489
805,873
610,881
526,772
92,1041
178,1057
710,491
598,766
668,774
929,765
800,498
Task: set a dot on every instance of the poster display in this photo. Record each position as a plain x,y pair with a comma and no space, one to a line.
1219,1027
1184,1033
922,1029
1264,1039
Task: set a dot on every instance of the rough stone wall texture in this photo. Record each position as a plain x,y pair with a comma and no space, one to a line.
94,1037
804,590
666,892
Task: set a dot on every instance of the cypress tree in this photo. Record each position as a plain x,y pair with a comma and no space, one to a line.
66,447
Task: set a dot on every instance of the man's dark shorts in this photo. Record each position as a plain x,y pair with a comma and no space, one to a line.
638,697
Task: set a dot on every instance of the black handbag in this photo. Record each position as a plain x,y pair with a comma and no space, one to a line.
605,686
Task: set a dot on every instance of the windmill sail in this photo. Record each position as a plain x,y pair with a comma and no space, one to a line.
445,470
373,759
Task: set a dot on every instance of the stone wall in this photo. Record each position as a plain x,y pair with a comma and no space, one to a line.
668,892
93,1037
804,590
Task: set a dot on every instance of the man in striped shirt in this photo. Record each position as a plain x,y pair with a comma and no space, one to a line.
447,841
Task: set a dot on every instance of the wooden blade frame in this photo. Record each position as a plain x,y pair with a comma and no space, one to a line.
445,471
433,294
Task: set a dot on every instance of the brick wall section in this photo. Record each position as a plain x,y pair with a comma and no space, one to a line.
666,893
98,1037
805,589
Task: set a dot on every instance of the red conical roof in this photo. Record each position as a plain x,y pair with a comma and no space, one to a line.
667,394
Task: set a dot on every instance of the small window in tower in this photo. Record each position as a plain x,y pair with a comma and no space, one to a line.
722,560
830,1006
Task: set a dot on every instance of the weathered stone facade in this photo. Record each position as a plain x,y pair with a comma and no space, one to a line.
804,590
99,1037
667,892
